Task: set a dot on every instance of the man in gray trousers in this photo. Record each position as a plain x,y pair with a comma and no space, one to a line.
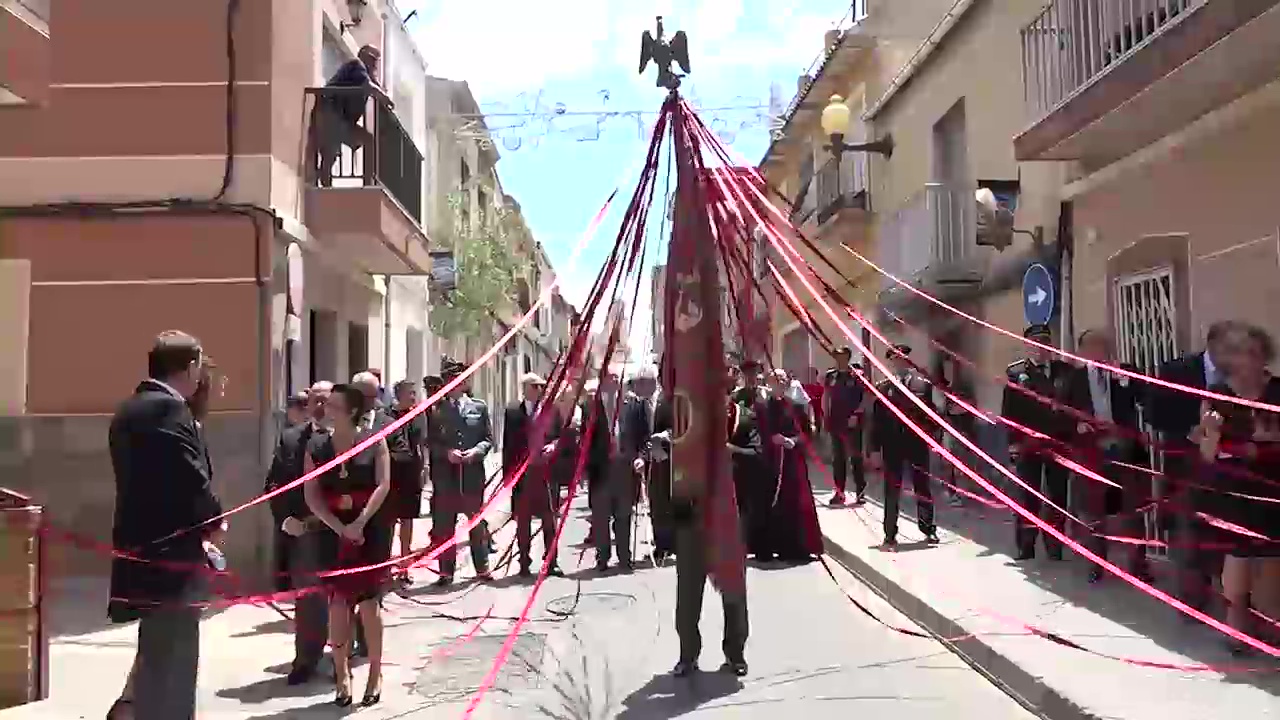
164,506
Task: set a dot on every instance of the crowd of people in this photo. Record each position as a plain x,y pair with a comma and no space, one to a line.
1220,461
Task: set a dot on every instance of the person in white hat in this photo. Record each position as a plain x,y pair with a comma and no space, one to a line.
529,438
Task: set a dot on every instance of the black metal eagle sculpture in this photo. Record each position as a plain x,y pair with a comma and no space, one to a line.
663,54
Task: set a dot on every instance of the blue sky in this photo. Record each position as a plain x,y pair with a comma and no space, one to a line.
582,55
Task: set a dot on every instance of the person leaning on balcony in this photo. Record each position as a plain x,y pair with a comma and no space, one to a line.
337,117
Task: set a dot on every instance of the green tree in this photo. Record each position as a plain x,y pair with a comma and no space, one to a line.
487,266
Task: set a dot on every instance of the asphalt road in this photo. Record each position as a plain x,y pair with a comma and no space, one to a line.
811,653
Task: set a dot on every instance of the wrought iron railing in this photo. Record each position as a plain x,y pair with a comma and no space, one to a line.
1072,42
842,183
356,140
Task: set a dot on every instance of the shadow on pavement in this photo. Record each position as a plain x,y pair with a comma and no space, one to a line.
1112,598
666,696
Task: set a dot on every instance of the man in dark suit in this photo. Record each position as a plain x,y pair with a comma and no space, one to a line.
1174,414
1109,444
611,472
532,496
460,436
163,502
296,531
902,451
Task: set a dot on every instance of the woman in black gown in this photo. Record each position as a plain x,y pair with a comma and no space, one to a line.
784,520
1240,447
350,501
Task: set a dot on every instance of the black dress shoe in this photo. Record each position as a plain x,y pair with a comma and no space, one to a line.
931,538
1024,555
443,581
484,576
684,668
555,571
525,572
300,676
737,667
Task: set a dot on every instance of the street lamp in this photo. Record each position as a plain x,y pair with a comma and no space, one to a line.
835,120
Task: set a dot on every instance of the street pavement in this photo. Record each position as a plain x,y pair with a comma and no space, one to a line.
811,653
969,592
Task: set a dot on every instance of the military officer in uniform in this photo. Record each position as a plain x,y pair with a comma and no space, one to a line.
459,436
1041,374
902,450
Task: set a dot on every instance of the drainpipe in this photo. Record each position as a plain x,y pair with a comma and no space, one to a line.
386,328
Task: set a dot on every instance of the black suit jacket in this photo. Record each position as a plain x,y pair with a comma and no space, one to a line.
1175,413
1125,401
286,466
517,430
162,475
633,431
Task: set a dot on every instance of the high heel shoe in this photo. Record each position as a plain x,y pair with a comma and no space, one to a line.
371,698
343,697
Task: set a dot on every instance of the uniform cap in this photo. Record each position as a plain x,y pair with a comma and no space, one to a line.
1039,330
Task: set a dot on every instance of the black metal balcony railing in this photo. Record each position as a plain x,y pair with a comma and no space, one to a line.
841,183
345,124
1072,42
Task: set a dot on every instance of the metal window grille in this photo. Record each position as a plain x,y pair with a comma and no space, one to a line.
1146,336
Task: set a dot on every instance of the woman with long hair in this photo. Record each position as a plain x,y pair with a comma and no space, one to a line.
350,501
1240,447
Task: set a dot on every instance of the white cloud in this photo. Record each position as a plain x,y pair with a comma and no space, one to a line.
503,47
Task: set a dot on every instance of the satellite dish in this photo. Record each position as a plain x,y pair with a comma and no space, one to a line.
995,223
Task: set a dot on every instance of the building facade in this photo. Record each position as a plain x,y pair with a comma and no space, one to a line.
952,107
1172,166
826,197
200,208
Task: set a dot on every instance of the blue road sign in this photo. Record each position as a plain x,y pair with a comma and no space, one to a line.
1037,294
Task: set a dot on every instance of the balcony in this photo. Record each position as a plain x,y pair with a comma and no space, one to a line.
842,185
1104,78
931,241
24,51
364,176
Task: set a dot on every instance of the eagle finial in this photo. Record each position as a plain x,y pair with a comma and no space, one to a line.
663,53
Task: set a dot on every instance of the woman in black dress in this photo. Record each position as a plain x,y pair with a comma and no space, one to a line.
1240,447
350,501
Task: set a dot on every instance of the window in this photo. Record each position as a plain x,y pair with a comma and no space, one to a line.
357,348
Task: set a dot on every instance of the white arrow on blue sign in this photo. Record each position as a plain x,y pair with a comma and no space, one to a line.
1037,294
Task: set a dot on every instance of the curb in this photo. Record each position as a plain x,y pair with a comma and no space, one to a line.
1030,691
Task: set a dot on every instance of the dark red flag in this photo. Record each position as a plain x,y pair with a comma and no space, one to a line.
694,370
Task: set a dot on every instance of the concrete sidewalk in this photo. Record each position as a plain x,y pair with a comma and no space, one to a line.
969,593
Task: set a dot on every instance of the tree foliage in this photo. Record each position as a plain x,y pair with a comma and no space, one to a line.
484,248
